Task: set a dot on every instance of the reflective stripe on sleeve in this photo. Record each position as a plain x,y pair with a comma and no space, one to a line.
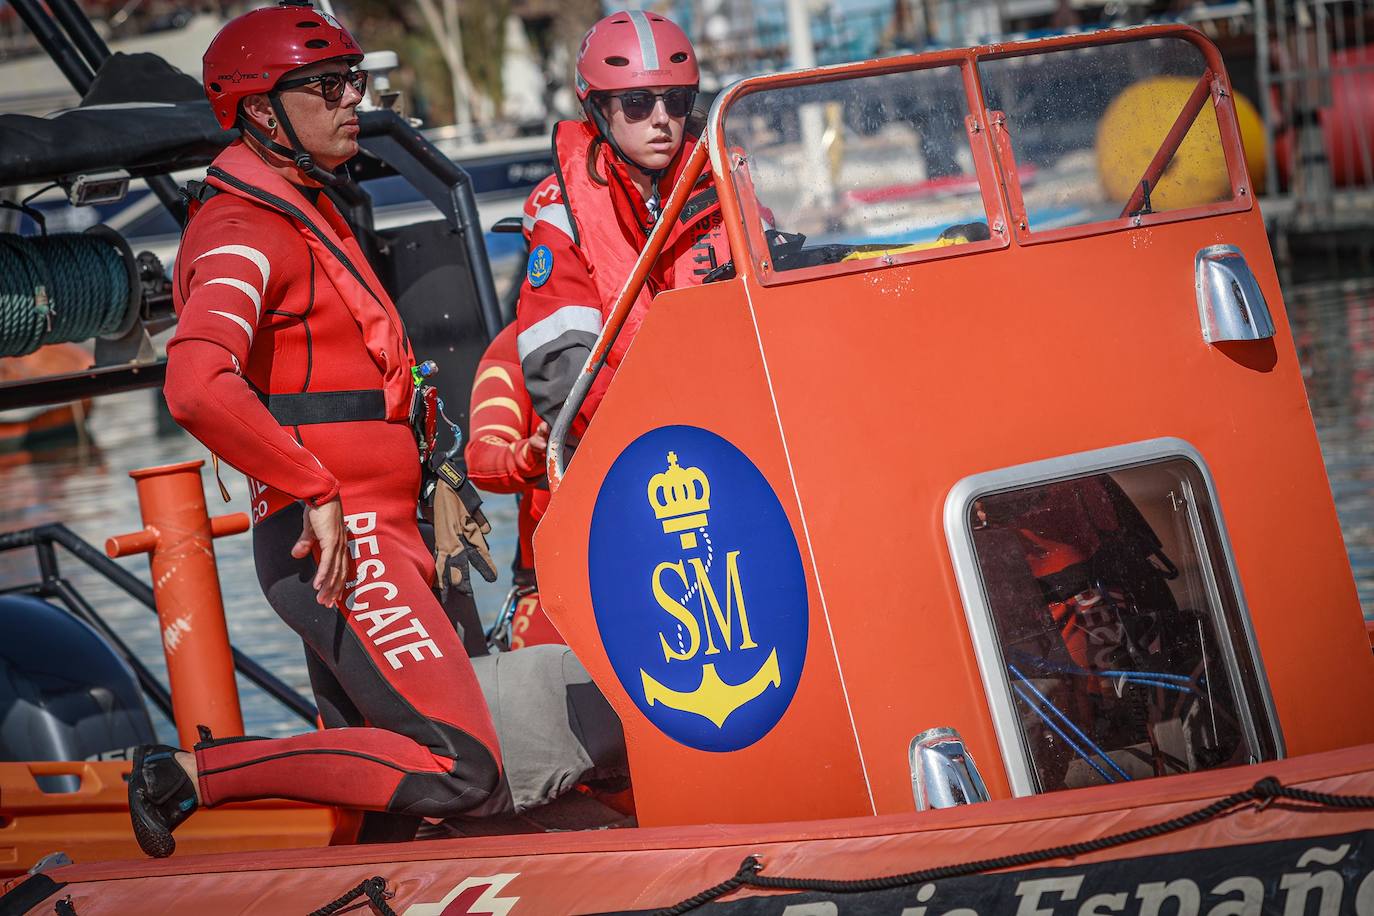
244,251
247,328
246,288
555,215
568,318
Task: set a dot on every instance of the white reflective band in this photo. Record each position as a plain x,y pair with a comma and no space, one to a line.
254,296
648,48
527,222
247,328
568,318
243,251
555,215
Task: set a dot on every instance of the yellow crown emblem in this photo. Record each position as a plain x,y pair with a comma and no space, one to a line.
680,498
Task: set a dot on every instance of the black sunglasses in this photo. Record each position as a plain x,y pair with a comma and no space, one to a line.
331,84
638,104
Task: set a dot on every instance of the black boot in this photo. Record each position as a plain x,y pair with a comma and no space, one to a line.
161,796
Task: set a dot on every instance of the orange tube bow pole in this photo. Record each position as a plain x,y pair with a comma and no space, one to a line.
177,536
686,182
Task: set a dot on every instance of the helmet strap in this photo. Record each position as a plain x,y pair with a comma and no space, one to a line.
298,156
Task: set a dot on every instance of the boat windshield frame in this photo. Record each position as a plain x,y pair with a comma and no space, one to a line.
992,160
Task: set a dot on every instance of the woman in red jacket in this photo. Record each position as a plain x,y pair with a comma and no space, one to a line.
291,363
637,79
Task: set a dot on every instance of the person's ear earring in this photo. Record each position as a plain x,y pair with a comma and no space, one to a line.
271,123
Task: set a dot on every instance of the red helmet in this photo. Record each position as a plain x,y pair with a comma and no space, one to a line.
255,50
628,50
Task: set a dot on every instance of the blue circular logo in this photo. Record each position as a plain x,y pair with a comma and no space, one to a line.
698,588
540,266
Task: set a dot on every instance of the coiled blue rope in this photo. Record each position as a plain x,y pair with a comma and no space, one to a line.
60,288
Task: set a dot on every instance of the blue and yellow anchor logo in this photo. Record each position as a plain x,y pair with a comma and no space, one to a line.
540,266
700,598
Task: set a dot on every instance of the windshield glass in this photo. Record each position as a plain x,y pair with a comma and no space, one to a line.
1123,643
871,167
1086,124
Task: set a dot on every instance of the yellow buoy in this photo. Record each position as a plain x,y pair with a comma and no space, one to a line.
1134,127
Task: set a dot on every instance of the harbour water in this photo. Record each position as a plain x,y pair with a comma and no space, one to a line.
86,486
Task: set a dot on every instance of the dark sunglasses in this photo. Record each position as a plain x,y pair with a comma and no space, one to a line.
638,104
331,84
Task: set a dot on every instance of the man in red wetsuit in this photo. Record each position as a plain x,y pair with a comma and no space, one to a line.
637,80
291,363
505,454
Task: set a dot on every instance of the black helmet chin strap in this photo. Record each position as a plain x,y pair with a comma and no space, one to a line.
593,111
298,156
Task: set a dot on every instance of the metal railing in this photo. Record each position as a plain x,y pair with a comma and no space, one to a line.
1315,69
51,584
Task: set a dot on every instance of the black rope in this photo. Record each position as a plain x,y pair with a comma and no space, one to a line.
375,891
59,288
1264,792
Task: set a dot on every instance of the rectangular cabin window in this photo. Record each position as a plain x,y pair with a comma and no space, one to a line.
859,171
1114,628
1102,132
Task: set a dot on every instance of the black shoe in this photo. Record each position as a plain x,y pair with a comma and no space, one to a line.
161,796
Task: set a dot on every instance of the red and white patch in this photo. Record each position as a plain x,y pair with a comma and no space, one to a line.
471,897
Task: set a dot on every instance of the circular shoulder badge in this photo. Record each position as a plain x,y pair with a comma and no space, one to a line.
540,266
698,588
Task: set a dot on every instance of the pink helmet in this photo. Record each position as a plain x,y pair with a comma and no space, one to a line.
633,49
255,50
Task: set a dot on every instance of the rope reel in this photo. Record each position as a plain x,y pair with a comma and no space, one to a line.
65,287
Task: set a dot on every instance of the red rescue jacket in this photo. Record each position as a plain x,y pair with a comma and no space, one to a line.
583,250
267,306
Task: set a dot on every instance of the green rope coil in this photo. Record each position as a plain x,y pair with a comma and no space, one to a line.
59,288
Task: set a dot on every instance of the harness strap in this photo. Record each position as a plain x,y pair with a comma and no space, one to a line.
295,213
313,407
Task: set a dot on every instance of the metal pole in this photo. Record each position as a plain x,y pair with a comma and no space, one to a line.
1363,125
137,589
178,537
1271,168
79,30
155,689
818,190
465,218
80,71
55,44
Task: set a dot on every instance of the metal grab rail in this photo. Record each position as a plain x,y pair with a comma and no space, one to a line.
42,539
623,303
445,184
1172,141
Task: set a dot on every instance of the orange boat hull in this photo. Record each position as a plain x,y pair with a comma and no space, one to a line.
91,824
649,868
